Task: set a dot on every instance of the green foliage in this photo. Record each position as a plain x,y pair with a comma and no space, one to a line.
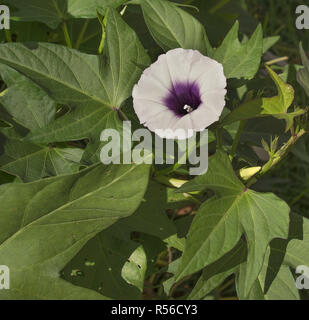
73,228
240,60
303,74
31,162
40,233
248,212
276,106
172,27
54,12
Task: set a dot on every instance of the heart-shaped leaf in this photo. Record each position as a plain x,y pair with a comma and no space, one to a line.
44,224
27,103
31,162
172,27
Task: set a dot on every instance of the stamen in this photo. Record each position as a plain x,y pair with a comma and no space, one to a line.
188,108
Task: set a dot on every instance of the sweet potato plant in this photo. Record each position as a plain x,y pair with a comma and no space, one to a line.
72,227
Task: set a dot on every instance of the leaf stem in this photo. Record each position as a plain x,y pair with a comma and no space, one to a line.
179,163
66,34
274,61
237,138
81,34
219,138
281,153
103,24
299,196
8,35
277,157
218,6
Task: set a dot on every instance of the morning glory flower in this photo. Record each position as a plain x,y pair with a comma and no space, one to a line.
182,90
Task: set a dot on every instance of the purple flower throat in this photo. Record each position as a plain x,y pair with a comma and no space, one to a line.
183,97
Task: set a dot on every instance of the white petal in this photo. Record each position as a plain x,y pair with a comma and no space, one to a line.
203,117
159,70
165,120
187,125
208,73
146,109
179,64
149,89
215,100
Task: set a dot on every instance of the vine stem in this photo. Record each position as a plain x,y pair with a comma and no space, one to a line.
298,197
103,24
219,138
179,163
177,284
282,152
66,34
81,34
277,157
8,35
218,6
237,138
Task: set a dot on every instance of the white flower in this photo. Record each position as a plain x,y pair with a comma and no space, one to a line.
182,90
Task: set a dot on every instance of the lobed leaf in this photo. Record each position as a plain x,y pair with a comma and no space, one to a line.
275,106
221,221
94,86
240,60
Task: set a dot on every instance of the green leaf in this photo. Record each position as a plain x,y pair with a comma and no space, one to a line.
27,31
172,268
100,263
221,221
134,270
216,273
85,34
78,79
276,280
282,287
240,60
54,12
218,17
112,274
275,106
94,85
296,251
269,42
31,162
27,103
44,224
150,218
172,27
303,74
77,125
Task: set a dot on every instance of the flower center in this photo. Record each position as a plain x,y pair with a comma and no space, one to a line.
183,98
